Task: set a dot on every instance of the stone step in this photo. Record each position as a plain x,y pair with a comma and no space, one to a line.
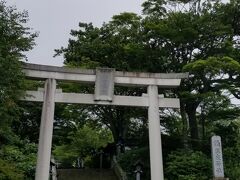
86,174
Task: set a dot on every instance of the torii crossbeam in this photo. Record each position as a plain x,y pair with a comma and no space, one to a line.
104,80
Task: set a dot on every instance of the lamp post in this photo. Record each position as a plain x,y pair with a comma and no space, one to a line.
138,170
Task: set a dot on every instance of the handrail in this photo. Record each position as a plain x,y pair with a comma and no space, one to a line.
118,170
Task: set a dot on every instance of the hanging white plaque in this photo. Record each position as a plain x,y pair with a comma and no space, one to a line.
104,85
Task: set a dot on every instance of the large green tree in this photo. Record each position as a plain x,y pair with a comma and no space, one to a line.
167,40
15,39
199,37
116,44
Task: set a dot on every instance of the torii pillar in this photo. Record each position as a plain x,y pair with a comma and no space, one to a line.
46,131
155,142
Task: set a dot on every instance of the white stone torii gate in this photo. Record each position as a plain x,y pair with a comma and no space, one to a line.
103,96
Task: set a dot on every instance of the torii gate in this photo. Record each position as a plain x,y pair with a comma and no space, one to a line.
104,79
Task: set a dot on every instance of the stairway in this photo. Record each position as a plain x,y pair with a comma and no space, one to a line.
86,174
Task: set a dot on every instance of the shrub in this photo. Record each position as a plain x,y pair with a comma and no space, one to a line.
188,165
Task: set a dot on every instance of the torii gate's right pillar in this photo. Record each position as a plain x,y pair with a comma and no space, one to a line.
155,141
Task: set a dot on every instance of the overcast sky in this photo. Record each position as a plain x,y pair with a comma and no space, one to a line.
54,19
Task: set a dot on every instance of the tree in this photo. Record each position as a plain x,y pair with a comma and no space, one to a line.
83,143
117,44
187,36
200,37
15,39
163,43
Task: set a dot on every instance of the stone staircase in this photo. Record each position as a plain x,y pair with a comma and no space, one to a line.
86,174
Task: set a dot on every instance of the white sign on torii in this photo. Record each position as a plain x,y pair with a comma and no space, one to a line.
50,96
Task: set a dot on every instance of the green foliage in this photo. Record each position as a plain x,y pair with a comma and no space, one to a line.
11,85
188,165
117,44
231,162
180,164
15,38
9,171
82,143
213,66
199,37
22,156
26,127
17,157
129,158
87,139
229,131
65,155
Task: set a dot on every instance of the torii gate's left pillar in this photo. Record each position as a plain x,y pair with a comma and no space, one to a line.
46,131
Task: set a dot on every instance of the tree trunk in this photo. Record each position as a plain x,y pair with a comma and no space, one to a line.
203,122
191,111
184,126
